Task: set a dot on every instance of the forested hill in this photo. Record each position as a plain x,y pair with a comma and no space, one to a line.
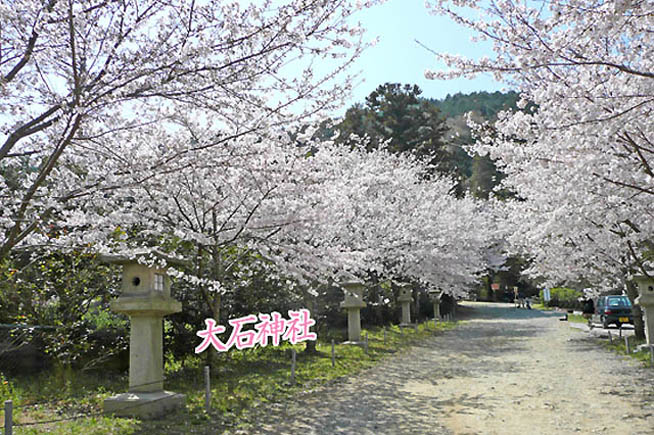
487,104
396,117
479,175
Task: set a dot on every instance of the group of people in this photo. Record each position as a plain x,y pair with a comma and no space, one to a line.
520,300
588,305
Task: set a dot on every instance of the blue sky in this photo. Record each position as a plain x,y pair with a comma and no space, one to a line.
398,58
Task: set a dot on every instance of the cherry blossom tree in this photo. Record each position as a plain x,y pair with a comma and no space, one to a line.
583,156
581,160
81,78
396,222
310,209
134,124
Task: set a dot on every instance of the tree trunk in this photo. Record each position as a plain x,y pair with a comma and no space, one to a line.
216,274
311,347
639,325
214,356
310,303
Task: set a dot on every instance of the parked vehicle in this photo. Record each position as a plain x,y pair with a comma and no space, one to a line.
613,310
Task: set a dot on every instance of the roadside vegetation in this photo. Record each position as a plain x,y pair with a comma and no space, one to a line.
576,318
563,297
72,400
619,346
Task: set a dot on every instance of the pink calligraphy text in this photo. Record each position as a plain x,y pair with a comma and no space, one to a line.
271,328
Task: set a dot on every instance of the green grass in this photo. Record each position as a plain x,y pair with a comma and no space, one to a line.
576,318
542,307
619,346
241,380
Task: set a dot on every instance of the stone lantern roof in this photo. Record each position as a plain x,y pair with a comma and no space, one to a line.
353,294
645,288
144,288
405,293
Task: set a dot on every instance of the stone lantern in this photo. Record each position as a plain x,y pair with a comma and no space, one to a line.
145,298
353,303
435,295
405,299
646,300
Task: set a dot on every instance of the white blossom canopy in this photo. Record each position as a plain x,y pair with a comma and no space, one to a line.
83,79
581,159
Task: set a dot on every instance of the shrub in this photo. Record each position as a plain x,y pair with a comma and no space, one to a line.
563,297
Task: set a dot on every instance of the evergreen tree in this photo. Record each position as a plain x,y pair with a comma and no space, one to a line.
484,176
394,117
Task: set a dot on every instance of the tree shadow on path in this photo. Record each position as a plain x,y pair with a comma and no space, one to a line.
401,395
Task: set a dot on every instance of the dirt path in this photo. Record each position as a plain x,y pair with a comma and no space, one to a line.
505,371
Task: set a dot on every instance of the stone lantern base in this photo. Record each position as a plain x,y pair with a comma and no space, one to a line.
405,300
354,324
353,303
435,297
143,405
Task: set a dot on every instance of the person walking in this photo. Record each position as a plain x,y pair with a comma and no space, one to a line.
588,311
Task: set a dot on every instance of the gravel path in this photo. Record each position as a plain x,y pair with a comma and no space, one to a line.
504,371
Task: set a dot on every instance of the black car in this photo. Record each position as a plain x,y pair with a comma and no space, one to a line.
613,310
